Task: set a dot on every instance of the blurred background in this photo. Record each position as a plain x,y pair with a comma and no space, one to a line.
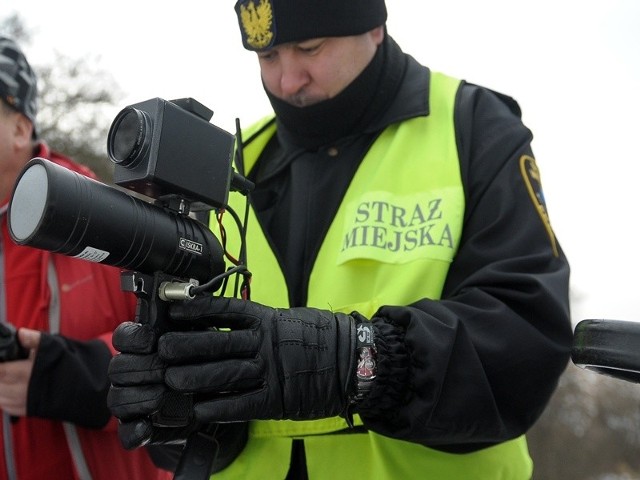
573,66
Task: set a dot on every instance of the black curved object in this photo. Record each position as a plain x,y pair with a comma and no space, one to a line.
608,347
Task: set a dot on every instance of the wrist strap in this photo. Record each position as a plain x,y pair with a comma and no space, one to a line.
366,365
366,360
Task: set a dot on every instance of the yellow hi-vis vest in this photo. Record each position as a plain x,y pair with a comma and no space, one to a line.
391,243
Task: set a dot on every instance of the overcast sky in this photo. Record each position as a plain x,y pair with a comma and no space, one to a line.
573,66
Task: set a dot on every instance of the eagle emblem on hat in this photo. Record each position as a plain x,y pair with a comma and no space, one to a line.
257,23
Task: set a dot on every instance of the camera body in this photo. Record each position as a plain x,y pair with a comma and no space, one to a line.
162,150
167,151
166,148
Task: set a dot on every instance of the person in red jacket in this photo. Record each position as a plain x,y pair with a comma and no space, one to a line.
55,421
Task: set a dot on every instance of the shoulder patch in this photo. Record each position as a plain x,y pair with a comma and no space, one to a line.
531,177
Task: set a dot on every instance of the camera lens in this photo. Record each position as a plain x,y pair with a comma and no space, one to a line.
32,191
129,137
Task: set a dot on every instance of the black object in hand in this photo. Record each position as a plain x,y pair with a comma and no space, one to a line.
10,347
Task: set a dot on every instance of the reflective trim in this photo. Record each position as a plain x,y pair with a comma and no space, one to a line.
8,447
82,469
6,420
73,441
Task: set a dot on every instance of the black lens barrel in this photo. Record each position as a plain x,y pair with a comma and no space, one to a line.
87,219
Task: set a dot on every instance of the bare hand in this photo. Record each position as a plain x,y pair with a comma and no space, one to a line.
15,376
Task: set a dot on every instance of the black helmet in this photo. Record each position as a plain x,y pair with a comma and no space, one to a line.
18,83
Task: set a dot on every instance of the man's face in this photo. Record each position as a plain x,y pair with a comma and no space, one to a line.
308,72
14,145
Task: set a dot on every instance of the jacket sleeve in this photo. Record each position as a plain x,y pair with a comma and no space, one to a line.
478,367
69,381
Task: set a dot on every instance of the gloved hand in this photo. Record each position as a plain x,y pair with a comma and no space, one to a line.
254,362
139,365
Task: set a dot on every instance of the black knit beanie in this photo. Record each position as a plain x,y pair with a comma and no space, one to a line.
267,23
18,82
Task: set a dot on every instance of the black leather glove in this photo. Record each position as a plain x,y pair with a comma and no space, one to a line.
254,362
138,364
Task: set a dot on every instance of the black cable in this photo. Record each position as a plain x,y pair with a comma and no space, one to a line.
207,287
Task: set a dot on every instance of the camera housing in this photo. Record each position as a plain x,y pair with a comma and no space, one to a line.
169,148
165,150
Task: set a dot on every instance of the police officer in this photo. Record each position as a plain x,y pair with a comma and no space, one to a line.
409,313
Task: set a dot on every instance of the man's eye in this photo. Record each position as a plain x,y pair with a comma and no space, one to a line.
309,49
266,56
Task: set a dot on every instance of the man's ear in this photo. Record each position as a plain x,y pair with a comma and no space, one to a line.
23,130
378,34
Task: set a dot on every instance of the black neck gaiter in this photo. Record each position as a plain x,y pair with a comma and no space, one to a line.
351,110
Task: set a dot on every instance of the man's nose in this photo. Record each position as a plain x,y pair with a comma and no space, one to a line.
293,76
